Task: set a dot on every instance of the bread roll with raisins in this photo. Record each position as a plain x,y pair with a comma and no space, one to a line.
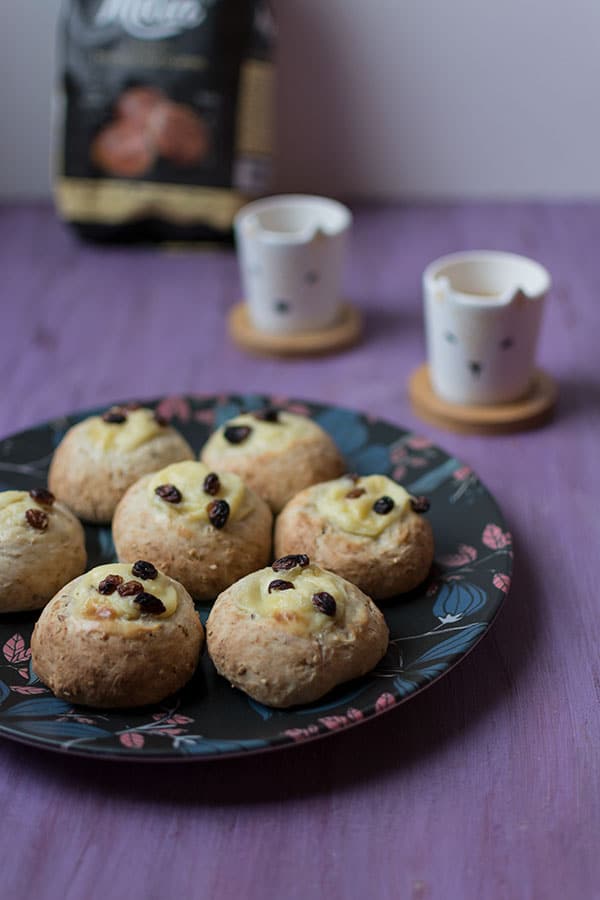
290,633
118,636
206,529
42,547
99,458
277,453
364,528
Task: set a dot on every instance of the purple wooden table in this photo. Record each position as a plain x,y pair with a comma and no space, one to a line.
487,784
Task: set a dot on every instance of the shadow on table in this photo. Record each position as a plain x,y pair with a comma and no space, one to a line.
381,321
400,740
577,396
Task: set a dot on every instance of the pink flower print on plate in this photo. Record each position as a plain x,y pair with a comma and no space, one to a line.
463,556
132,739
298,409
206,416
462,474
496,539
334,722
28,689
301,734
398,452
281,402
174,719
502,582
15,650
418,442
175,407
384,701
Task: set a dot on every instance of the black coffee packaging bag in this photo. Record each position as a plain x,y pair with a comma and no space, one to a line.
164,116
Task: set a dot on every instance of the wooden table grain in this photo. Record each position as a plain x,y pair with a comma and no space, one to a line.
484,786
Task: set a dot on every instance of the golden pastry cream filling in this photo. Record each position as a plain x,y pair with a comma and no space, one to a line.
363,506
123,596
265,430
122,429
28,509
193,490
297,596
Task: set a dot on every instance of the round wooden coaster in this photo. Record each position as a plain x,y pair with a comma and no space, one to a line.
345,332
532,410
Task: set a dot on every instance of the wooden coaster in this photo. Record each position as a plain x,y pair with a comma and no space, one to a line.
345,332
532,410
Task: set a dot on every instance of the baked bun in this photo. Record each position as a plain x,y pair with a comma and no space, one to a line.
118,636
366,529
99,458
42,547
290,633
277,453
206,529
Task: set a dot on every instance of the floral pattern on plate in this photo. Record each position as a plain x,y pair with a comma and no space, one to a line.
432,628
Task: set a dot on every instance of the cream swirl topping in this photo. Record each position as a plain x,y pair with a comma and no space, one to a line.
191,497
138,427
363,506
119,599
287,598
250,433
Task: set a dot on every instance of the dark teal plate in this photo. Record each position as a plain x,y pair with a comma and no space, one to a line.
431,629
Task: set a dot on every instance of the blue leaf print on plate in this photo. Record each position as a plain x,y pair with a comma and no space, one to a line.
347,428
225,412
33,679
458,643
403,686
263,711
253,401
457,599
432,480
197,745
44,706
433,671
4,691
204,612
105,542
373,460
68,729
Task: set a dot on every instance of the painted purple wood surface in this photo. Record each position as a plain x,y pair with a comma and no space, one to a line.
487,785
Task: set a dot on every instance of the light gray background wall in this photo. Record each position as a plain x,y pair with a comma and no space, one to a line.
382,98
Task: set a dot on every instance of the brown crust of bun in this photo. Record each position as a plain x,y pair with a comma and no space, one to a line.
278,476
107,670
281,669
203,558
34,564
393,563
92,482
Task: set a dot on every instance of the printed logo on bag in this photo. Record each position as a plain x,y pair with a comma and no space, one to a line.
152,20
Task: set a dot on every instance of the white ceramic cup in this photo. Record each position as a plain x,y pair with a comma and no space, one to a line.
482,317
291,251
